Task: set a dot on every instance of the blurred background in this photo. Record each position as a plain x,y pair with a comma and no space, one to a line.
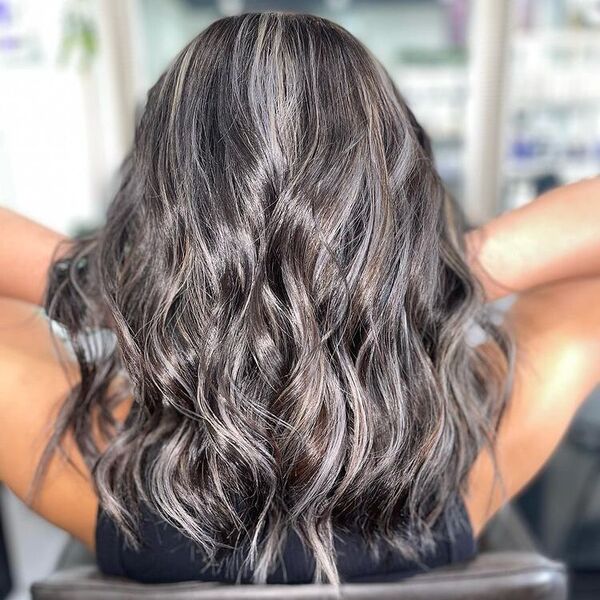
509,91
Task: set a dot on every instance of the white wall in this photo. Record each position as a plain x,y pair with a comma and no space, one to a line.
58,140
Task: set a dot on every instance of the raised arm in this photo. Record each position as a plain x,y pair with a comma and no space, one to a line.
26,250
549,253
554,238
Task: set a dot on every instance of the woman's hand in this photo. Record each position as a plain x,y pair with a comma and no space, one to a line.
556,237
26,251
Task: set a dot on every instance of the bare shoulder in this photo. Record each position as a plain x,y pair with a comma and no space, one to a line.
33,384
557,334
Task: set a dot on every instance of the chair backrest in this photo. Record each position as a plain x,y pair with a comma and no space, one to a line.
490,576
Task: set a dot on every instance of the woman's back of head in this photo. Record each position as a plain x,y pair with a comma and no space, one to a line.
284,274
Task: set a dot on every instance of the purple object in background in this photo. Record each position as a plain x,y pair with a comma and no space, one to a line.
4,11
18,43
457,14
7,42
525,13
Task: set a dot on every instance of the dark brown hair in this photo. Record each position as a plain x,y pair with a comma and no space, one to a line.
282,280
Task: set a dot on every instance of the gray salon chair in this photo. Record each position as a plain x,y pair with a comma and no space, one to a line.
498,573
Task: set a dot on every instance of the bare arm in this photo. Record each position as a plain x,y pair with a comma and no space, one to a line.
33,385
37,371
26,250
557,333
548,252
554,238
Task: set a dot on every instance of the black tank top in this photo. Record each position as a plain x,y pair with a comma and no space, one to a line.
168,556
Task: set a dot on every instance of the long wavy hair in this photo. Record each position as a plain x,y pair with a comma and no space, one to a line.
283,292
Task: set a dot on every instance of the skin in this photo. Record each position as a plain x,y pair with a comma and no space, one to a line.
555,320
